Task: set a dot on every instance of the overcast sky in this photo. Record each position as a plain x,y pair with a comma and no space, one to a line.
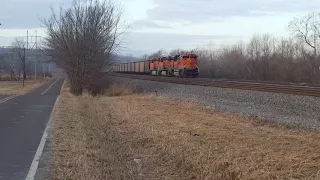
171,24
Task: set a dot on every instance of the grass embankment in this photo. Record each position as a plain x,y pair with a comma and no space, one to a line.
148,137
16,87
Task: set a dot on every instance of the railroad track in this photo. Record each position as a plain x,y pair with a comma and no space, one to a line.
256,86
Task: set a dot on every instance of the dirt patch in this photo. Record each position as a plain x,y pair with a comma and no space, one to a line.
147,137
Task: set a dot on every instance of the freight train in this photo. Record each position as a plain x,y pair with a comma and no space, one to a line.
185,65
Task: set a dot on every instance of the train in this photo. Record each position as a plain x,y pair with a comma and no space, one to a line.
185,65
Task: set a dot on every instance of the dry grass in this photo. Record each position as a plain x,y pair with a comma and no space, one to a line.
5,77
146,137
121,89
16,87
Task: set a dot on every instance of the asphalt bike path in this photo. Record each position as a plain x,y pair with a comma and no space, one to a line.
23,120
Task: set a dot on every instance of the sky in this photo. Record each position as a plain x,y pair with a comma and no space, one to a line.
170,24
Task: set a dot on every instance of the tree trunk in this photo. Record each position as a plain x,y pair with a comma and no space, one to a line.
19,74
76,86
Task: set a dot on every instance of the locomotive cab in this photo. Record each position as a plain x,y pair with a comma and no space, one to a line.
187,66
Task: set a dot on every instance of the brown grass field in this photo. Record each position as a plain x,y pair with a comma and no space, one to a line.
16,87
147,137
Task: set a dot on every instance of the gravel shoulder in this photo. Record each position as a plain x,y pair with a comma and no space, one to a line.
286,109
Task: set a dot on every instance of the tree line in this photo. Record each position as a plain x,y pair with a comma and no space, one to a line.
265,57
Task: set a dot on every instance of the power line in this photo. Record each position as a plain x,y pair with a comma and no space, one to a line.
32,43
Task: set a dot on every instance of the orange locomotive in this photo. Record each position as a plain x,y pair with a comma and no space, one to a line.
182,66
185,65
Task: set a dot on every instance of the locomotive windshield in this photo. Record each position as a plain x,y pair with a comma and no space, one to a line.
191,56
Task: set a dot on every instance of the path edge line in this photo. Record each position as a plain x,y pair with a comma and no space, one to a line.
7,98
35,162
50,87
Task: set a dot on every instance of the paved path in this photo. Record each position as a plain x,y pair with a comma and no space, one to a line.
23,120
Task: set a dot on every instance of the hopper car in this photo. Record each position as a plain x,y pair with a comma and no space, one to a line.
185,65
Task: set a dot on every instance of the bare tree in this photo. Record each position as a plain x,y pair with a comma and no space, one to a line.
307,28
267,49
177,52
20,49
145,57
158,54
12,66
81,40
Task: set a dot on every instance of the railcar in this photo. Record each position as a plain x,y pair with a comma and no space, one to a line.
185,65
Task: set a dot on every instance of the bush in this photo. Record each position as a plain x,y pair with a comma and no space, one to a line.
81,40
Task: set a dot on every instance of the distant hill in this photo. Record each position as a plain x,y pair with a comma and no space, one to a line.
123,58
117,57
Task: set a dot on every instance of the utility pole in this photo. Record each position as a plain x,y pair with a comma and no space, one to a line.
35,63
24,66
25,55
32,46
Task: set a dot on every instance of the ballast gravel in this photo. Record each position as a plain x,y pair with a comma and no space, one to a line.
291,110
